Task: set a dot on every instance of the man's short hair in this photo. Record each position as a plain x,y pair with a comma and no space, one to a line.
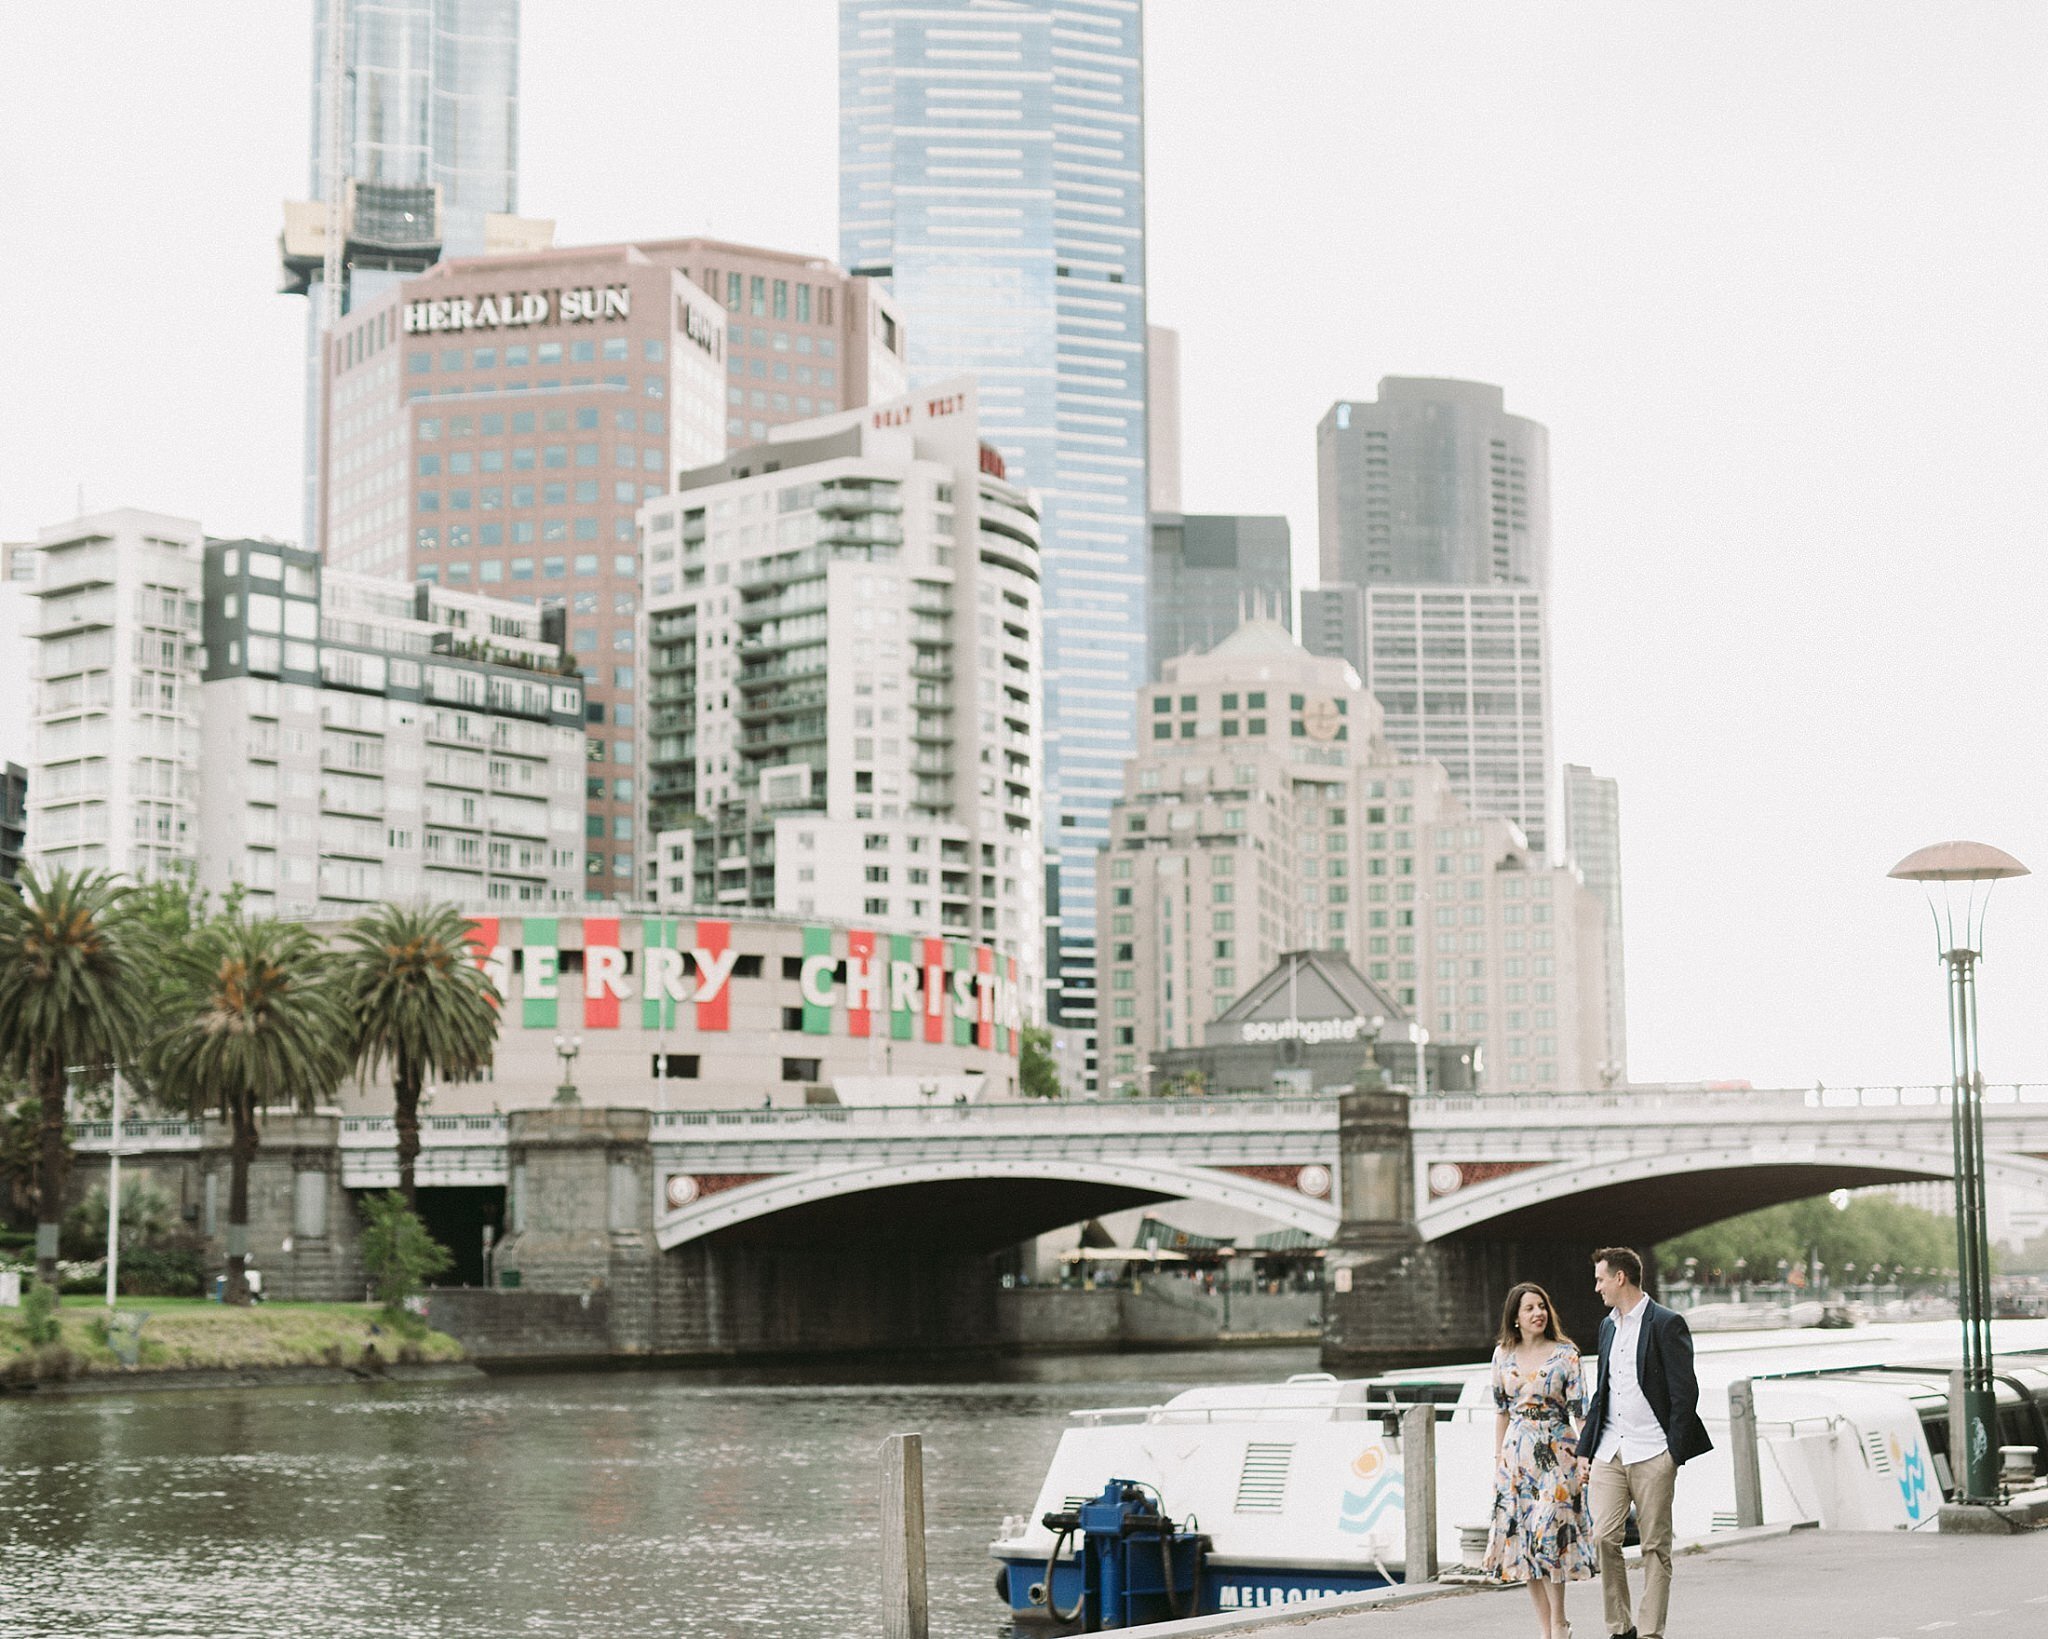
1622,1259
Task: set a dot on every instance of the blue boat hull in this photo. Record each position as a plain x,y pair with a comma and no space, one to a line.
1224,1587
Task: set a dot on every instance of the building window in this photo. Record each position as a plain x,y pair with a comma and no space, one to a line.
675,1066
757,296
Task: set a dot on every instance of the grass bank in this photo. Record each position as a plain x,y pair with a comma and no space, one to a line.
188,1334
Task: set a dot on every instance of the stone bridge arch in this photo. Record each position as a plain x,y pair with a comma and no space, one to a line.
1639,1199
993,1202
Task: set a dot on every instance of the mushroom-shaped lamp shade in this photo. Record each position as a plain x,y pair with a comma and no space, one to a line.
1958,877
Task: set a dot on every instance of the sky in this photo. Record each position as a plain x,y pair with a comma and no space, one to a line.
1770,275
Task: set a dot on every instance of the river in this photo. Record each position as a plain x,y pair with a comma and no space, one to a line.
598,1506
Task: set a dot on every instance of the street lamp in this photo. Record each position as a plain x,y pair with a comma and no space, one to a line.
1959,877
566,1049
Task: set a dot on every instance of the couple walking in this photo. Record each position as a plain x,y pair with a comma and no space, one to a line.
1566,1469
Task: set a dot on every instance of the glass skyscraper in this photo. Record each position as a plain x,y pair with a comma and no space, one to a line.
991,169
430,101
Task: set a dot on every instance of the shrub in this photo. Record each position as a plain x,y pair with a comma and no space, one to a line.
39,1314
398,1253
163,1272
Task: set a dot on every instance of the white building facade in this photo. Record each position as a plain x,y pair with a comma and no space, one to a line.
844,683
117,643
365,740
1269,812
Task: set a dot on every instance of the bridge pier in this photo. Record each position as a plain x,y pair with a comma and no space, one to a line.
1393,1300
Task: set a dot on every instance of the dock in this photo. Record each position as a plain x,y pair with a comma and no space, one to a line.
1818,1585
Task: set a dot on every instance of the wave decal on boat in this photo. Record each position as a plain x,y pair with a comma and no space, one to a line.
1362,1510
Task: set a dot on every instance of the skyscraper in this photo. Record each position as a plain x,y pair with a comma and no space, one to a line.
1592,809
1433,521
992,170
1211,572
428,156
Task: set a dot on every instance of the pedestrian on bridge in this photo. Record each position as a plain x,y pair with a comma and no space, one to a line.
1643,1422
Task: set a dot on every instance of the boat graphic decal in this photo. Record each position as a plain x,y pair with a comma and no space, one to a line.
1378,1494
1912,1477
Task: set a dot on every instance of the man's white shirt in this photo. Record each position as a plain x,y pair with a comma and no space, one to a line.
1633,1433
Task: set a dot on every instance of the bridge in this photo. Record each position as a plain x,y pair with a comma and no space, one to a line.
1647,1163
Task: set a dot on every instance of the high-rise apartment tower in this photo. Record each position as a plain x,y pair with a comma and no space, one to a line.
992,170
1433,522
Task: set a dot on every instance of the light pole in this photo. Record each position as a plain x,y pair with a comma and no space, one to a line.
1959,877
566,1049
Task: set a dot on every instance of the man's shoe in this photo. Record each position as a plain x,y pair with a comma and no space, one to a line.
1631,1634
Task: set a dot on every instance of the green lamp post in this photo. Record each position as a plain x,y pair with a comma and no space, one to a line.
1959,878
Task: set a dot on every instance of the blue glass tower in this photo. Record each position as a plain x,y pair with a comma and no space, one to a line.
991,169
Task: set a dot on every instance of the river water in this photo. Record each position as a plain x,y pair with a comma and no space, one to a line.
599,1506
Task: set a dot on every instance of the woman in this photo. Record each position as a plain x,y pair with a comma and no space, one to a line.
1539,1533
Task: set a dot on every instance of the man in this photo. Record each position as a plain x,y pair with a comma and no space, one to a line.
1644,1421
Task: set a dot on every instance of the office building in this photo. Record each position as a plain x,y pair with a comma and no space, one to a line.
18,620
13,820
1463,675
1592,812
1212,572
235,714
844,693
112,786
423,163
992,171
1162,417
498,422
1432,483
1268,812
364,740
1428,496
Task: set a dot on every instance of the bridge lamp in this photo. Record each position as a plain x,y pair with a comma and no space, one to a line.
1959,877
566,1049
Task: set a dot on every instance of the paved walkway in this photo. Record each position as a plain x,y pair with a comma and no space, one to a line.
1808,1585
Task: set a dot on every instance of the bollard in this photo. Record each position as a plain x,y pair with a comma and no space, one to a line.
904,1610
1418,1487
1749,1474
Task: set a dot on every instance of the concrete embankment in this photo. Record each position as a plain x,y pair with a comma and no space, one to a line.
183,1342
510,1329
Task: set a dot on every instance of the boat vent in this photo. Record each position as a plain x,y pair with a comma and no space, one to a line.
1072,1505
1880,1457
1262,1482
1723,1522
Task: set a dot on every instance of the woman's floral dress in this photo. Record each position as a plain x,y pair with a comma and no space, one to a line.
1539,1510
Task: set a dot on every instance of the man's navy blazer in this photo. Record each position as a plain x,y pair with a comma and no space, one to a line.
1664,1369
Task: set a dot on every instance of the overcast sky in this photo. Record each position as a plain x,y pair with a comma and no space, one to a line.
1771,275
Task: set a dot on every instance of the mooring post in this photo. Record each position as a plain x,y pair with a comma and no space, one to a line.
1742,1449
1418,1490
905,1614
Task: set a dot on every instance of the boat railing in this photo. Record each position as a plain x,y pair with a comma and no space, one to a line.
1375,1409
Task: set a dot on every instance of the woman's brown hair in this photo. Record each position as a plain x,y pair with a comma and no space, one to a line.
1510,1328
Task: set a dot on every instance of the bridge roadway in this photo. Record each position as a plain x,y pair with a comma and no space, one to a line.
1496,1162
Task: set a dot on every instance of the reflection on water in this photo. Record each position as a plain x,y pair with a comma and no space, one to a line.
629,1504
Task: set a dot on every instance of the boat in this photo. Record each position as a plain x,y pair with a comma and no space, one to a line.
1284,1494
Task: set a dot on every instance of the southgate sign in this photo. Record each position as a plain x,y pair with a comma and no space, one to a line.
518,308
1306,1031
854,983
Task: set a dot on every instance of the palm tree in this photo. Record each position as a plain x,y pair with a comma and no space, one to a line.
72,997
256,1020
417,999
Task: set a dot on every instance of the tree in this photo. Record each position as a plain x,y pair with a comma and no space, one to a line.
1869,1231
1037,1074
399,1253
417,1000
72,998
255,1020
